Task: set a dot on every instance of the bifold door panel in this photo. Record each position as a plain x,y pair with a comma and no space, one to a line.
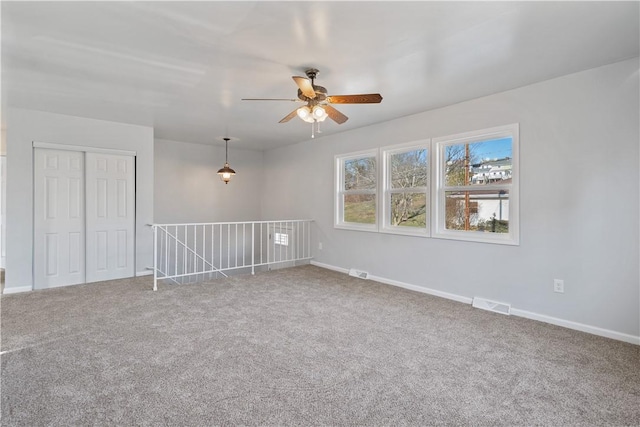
110,217
59,229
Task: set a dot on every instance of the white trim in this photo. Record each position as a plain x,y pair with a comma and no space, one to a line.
421,289
438,200
594,330
330,267
340,192
18,289
82,148
386,190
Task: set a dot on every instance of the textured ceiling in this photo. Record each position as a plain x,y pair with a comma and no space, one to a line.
183,67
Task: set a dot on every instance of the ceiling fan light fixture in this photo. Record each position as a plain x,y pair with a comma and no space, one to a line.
319,113
305,114
226,172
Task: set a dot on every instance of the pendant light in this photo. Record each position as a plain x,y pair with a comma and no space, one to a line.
226,172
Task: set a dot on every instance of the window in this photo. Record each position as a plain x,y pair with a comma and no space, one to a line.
476,194
357,183
406,179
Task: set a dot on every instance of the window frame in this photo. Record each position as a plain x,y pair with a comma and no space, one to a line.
340,192
439,190
387,190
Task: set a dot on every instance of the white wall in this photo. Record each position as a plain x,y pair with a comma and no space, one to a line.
24,127
188,189
579,157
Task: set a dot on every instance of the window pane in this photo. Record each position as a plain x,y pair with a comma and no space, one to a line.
360,208
479,163
484,211
409,209
360,174
408,169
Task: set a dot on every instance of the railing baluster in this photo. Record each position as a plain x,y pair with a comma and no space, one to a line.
308,240
195,248
253,252
244,243
204,251
175,239
155,258
280,248
185,264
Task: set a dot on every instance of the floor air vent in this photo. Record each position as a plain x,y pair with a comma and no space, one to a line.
497,307
358,273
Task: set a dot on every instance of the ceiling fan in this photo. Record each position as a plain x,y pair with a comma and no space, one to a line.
317,101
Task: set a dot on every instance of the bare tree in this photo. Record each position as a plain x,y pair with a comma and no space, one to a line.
360,174
408,170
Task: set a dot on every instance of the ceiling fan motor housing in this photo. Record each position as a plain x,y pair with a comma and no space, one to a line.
321,94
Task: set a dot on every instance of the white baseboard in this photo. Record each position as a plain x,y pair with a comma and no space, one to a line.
576,326
17,289
421,289
330,267
619,336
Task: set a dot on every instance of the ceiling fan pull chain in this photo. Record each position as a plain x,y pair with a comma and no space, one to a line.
312,131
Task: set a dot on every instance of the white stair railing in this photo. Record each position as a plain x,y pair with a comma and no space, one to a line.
186,253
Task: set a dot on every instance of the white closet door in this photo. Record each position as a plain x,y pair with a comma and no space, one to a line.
59,228
110,216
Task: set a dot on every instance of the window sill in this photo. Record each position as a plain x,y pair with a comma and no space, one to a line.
357,227
479,237
406,231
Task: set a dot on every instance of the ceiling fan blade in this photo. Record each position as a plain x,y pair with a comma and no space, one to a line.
270,99
335,115
305,86
290,116
363,98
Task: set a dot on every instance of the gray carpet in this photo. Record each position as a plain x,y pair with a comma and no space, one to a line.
301,346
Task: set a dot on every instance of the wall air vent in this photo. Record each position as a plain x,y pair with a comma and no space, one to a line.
358,273
496,307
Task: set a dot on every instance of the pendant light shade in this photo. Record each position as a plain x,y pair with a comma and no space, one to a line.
226,172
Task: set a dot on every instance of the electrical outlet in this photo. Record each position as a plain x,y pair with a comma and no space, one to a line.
558,286
320,245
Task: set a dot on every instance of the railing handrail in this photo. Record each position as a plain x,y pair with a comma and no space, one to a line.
228,222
